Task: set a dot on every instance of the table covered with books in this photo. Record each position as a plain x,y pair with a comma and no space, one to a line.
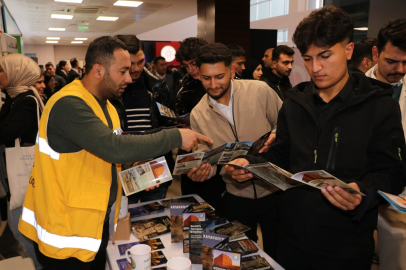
210,242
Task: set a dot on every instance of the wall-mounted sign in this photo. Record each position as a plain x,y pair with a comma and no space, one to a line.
168,52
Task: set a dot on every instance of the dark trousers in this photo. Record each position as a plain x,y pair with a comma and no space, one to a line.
210,190
291,258
99,262
250,212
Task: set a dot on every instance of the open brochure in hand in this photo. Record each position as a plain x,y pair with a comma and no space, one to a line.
219,155
145,175
166,112
274,175
398,202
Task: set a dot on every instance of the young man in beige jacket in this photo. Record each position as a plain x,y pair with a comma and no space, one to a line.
233,111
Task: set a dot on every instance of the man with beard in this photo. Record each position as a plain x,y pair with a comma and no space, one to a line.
278,77
345,124
59,81
139,110
234,111
74,182
390,53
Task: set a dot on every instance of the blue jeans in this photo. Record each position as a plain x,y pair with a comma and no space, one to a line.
146,196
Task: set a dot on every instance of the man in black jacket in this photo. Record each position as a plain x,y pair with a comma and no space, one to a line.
74,72
138,110
277,75
347,125
238,59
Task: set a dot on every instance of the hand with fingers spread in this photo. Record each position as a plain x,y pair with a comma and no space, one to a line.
201,174
341,198
268,143
190,139
240,175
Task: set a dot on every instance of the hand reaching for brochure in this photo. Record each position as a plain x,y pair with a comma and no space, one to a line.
239,174
268,143
190,139
342,198
201,174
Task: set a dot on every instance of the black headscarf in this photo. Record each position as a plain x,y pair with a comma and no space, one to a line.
250,66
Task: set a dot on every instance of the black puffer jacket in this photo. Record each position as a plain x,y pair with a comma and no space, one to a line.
190,93
363,142
279,85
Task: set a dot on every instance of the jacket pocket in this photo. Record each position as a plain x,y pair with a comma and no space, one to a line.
333,150
88,200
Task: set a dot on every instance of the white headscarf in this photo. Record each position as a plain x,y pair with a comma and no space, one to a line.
22,73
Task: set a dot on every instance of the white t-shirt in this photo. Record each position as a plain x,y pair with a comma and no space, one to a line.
227,110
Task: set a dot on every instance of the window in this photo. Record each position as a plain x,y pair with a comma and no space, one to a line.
314,4
263,9
282,36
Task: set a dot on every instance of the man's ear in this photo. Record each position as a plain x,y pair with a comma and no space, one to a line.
366,63
349,49
274,64
98,71
375,53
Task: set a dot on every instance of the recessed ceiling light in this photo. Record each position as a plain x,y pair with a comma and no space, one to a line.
81,38
76,41
70,1
361,28
51,41
128,3
61,16
105,18
54,38
56,29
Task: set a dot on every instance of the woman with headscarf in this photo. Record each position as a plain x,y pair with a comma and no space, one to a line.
18,119
253,70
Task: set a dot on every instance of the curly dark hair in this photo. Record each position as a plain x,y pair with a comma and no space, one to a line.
323,28
362,49
214,53
395,32
188,49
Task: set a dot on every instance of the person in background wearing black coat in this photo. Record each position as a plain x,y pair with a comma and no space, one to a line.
238,59
278,77
362,59
62,70
346,124
59,81
253,70
75,72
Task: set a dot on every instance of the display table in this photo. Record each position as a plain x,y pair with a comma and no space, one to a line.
170,250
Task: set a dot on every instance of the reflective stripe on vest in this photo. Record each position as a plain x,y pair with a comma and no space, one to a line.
57,240
44,147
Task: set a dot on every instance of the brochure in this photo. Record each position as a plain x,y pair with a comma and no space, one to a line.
233,229
155,243
145,175
226,260
274,175
188,215
255,262
219,155
158,258
210,212
150,228
167,202
168,113
176,212
196,229
210,239
243,246
398,202
147,209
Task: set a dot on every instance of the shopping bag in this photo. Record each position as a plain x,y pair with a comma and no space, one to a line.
19,161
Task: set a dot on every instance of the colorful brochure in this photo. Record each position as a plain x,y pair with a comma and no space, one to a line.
398,202
147,209
167,112
145,175
149,228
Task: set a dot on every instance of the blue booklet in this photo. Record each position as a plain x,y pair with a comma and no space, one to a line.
398,202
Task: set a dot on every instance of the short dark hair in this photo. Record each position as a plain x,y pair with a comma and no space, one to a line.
188,49
157,59
62,63
101,51
134,45
48,64
323,28
236,50
362,49
281,49
214,53
73,62
395,32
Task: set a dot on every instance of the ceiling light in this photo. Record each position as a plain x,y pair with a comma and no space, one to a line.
105,18
361,28
61,16
81,38
128,3
70,1
51,41
76,41
54,38
56,29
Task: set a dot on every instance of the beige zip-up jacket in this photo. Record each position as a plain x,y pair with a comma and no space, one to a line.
255,109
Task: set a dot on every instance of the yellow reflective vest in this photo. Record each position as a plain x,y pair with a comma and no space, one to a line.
67,198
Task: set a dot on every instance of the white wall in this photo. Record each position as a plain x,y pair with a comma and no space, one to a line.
63,52
55,53
176,31
45,53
